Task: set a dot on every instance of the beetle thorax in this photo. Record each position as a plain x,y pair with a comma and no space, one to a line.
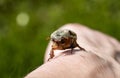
63,34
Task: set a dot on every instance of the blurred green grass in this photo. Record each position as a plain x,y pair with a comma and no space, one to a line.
22,47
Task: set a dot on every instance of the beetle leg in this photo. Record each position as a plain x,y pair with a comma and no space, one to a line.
51,54
80,47
72,50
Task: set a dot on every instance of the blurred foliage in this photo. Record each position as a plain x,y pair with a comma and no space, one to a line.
22,47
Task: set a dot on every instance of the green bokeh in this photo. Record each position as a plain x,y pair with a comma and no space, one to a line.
22,47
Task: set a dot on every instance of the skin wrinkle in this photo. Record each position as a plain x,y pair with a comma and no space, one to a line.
111,68
116,50
117,56
100,70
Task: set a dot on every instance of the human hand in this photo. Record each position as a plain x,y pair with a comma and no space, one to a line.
101,60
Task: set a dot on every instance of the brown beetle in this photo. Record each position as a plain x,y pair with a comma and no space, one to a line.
63,39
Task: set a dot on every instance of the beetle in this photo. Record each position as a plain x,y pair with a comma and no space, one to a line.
63,39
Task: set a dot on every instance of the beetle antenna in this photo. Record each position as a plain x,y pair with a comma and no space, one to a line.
48,38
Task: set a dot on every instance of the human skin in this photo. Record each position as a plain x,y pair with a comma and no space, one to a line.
100,60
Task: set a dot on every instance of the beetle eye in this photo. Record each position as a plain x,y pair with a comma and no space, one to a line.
53,40
62,41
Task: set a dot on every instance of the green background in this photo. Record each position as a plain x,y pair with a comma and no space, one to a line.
22,47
